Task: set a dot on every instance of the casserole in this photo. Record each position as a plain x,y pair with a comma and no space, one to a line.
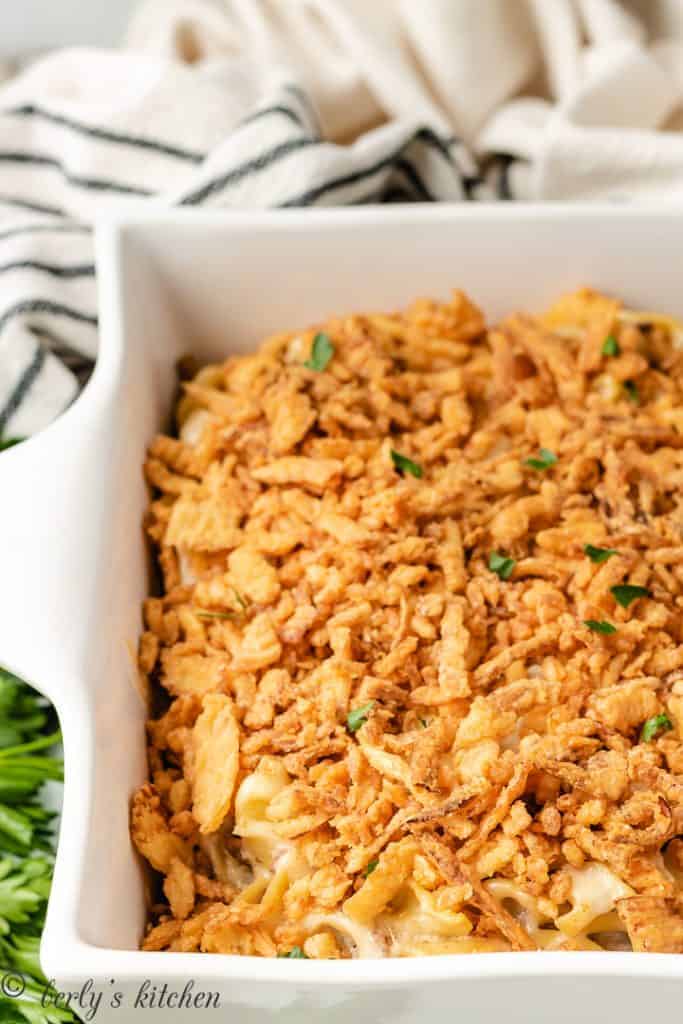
75,568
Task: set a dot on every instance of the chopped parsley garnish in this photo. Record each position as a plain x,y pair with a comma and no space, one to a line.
9,442
610,346
600,626
321,353
242,602
502,566
405,465
625,593
660,723
631,389
599,555
295,953
545,460
371,867
359,716
202,614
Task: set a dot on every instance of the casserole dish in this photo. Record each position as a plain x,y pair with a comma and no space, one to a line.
75,569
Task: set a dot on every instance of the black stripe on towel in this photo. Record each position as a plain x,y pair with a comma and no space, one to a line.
421,190
30,229
276,108
97,184
27,204
76,270
249,167
308,197
46,306
119,138
306,102
22,386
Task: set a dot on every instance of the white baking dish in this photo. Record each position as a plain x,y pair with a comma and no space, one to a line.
74,570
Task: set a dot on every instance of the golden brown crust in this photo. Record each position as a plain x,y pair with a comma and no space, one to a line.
493,768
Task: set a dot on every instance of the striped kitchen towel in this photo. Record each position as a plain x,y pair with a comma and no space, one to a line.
85,133
276,103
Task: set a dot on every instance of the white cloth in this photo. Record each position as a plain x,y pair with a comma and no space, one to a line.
304,102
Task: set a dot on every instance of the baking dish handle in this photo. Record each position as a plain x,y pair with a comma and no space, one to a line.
49,554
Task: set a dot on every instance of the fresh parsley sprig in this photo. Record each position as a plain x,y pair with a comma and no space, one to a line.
27,736
9,442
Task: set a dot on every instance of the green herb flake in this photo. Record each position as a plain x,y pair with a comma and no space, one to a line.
371,867
502,566
610,346
242,601
405,465
632,393
295,953
599,555
545,460
9,442
660,723
600,626
625,593
203,614
359,716
321,353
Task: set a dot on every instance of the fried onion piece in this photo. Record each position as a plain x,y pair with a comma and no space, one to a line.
458,874
215,743
654,924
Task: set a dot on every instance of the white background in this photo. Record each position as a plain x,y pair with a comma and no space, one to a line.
29,25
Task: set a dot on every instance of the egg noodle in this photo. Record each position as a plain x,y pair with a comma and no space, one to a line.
416,666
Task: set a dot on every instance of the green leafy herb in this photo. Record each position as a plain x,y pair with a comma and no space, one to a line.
625,593
653,726
371,867
36,1005
227,613
22,713
423,722
321,353
9,442
359,716
600,626
405,465
502,566
24,889
203,614
27,734
545,460
610,346
599,555
632,393
295,953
